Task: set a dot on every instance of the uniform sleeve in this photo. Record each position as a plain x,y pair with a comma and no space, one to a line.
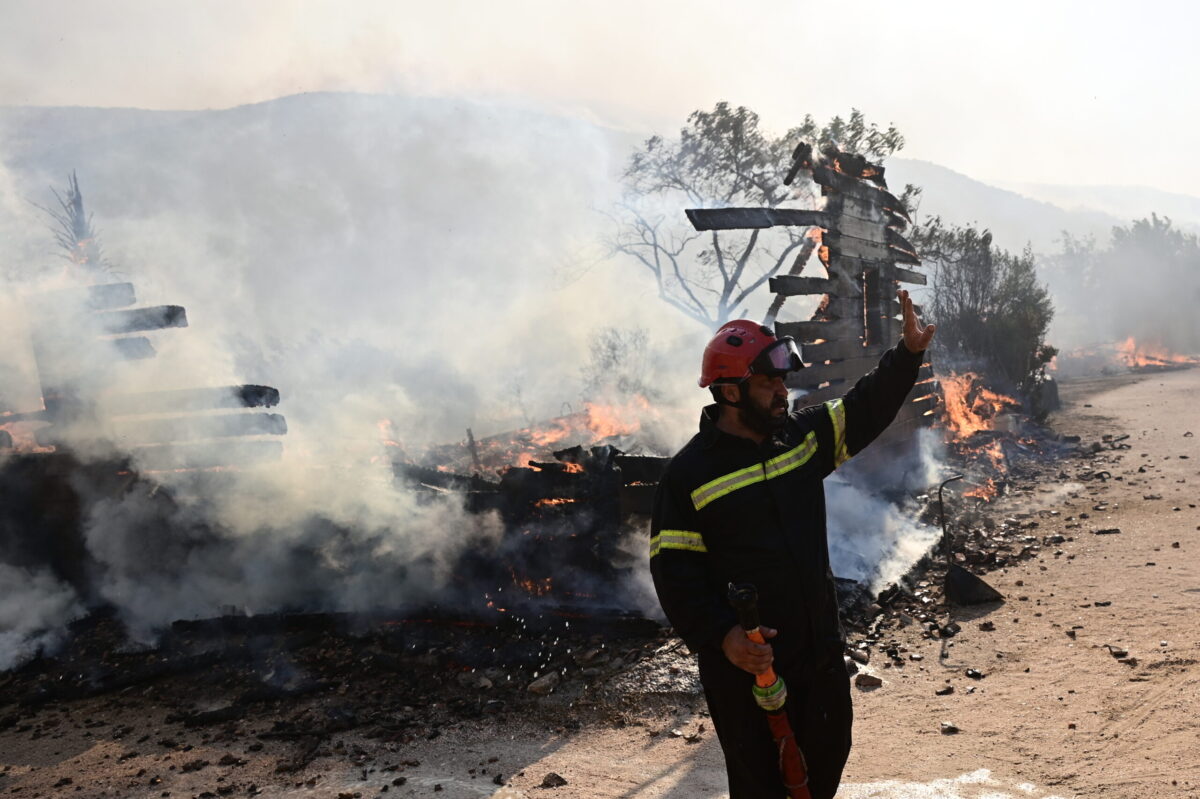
851,422
699,612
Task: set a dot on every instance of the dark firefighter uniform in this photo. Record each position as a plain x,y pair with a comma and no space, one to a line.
729,510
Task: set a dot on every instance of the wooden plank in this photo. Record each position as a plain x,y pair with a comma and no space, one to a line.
833,350
191,428
849,369
157,430
890,271
918,407
862,249
866,250
189,399
138,319
207,455
845,308
795,285
900,243
811,331
853,187
134,348
847,225
816,396
864,210
753,218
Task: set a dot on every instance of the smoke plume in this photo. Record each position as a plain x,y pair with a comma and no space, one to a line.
427,265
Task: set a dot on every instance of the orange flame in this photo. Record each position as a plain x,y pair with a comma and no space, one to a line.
606,421
986,491
549,501
969,406
1140,356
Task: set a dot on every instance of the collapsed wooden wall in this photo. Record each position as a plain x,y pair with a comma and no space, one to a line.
861,249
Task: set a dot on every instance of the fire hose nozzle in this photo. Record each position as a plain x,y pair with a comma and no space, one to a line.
744,598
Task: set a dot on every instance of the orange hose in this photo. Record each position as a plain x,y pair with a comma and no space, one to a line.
767,677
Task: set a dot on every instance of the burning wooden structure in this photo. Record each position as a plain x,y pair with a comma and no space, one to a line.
858,241
81,335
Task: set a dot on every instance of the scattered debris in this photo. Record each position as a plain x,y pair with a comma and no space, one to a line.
865,680
553,780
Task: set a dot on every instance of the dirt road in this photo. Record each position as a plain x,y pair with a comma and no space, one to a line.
1090,676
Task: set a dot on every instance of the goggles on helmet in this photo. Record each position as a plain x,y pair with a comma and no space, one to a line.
779,358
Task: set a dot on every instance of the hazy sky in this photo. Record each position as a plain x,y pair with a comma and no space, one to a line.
1055,92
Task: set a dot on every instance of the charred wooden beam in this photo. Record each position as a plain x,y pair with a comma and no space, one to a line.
855,188
860,209
795,285
138,319
847,225
854,165
904,275
833,350
435,478
753,218
191,399
843,307
810,331
206,455
134,348
189,428
866,250
156,430
848,369
900,243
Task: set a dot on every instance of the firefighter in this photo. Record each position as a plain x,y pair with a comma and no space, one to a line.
743,502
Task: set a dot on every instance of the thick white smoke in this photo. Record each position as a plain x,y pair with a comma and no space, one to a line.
872,539
34,607
434,264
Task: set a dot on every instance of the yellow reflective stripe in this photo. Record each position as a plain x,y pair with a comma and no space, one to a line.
777,466
715,489
793,458
837,414
677,539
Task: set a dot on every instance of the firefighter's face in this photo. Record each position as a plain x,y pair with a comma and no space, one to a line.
767,402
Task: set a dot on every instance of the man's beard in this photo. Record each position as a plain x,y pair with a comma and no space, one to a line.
763,420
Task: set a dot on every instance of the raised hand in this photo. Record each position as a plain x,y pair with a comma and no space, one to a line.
916,335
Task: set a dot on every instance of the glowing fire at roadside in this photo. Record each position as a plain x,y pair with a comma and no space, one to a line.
986,491
971,408
1137,355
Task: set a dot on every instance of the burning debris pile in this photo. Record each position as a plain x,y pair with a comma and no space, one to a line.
1129,355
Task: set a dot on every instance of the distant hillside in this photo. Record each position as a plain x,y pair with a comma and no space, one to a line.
1124,202
1014,219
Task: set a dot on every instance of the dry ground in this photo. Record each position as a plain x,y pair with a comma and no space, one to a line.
1055,714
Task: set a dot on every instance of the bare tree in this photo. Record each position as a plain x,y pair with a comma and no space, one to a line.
722,158
73,229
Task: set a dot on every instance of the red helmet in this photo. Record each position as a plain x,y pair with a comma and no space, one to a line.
742,348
